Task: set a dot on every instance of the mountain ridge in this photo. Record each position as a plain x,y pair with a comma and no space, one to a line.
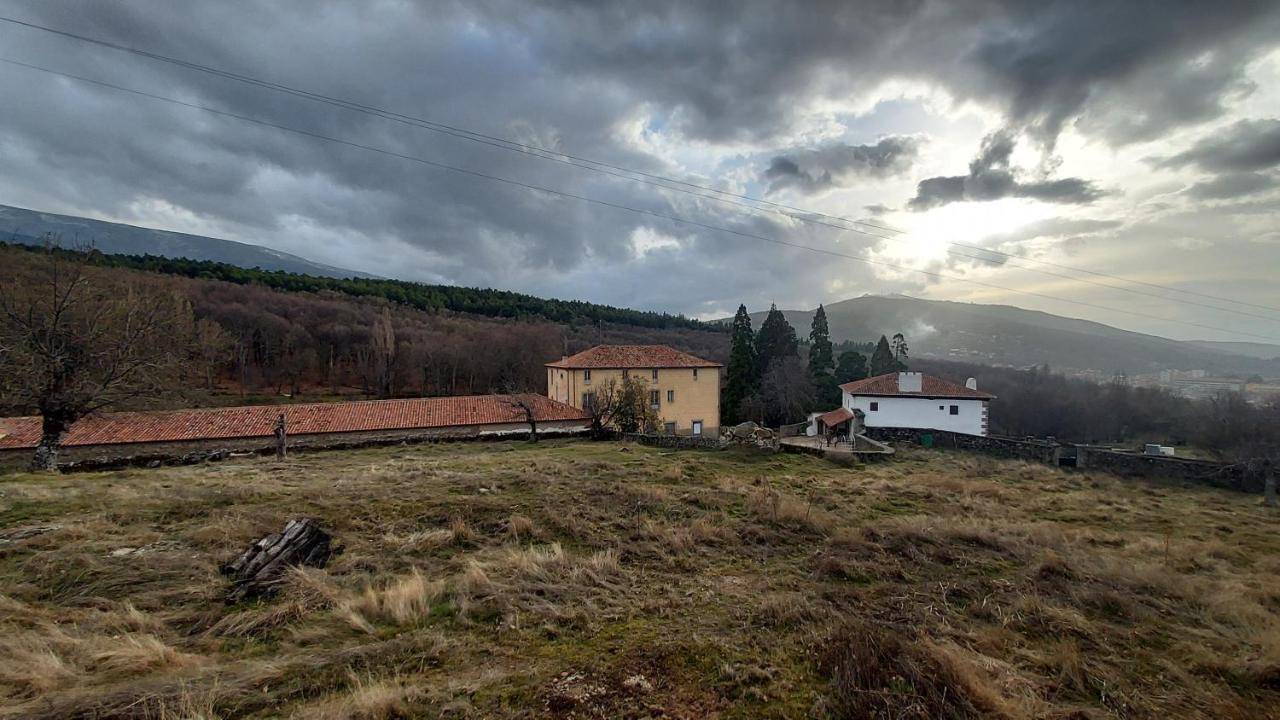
1013,336
29,227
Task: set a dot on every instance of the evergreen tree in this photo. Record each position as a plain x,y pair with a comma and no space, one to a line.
882,360
820,353
852,366
900,350
826,392
776,340
742,378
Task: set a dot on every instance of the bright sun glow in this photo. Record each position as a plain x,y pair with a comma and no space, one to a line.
928,235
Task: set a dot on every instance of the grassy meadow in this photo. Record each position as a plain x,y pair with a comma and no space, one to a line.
601,580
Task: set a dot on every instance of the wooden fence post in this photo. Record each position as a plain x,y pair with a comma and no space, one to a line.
282,438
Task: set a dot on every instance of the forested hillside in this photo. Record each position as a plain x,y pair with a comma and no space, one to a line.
478,301
265,334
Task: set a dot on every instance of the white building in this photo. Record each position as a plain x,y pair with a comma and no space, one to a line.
916,400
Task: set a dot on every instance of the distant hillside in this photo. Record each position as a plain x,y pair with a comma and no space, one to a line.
19,225
1006,335
1255,350
419,296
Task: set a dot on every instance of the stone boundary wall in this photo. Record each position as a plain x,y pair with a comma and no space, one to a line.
1230,477
1204,472
1034,450
677,442
865,449
188,452
794,429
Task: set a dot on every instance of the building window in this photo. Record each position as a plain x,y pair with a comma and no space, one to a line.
669,428
697,427
875,406
671,396
626,374
588,400
653,398
955,409
695,373
941,407
586,376
655,374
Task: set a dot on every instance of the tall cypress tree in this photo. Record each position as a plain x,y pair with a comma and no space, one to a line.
742,378
777,339
882,360
821,360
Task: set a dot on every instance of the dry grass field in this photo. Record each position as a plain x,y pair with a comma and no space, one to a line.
575,579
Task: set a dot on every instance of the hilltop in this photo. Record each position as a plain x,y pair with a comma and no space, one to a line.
1008,335
29,227
574,579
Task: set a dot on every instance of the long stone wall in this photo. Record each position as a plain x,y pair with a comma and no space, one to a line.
1231,477
678,442
1033,450
99,457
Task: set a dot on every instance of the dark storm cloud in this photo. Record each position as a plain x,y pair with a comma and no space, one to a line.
1137,68
1246,145
1134,69
836,164
991,178
572,76
1229,187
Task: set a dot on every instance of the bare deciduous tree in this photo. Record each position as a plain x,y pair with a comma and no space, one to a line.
78,340
786,392
212,346
523,404
1248,436
622,407
384,354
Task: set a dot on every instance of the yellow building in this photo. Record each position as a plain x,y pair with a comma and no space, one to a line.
685,390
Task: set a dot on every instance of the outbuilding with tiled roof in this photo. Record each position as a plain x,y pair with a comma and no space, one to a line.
917,400
249,427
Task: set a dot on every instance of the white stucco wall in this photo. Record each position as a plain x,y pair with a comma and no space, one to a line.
920,412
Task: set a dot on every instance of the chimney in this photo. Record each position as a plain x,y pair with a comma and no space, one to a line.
971,383
910,382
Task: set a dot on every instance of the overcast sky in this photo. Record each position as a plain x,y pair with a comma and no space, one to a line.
1137,138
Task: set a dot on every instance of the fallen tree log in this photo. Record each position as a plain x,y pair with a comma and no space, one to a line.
259,570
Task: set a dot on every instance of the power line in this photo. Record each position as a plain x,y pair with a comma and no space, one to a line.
606,203
653,179
1008,261
1121,278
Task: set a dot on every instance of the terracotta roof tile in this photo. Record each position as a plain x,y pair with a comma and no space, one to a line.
931,387
632,356
835,417
259,420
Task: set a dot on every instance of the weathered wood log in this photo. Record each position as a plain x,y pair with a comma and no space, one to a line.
259,570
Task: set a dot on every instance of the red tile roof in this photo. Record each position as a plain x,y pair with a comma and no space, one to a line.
931,387
259,420
835,417
632,356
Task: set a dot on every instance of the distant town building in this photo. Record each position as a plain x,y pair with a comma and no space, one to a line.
916,400
1204,387
684,389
